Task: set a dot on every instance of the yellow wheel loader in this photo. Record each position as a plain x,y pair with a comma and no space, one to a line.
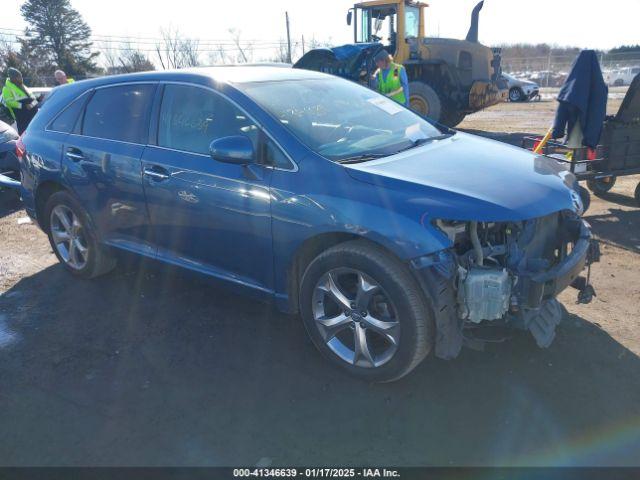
449,78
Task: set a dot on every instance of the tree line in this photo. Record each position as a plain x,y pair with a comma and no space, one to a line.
57,37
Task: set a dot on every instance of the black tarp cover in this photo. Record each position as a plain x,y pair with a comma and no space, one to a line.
583,98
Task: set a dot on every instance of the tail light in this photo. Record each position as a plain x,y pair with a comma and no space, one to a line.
20,148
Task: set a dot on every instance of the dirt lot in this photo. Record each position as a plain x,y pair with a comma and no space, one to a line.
153,367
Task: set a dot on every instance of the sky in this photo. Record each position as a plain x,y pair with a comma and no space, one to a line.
583,23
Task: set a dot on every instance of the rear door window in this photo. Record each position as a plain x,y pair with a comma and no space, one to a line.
120,113
192,117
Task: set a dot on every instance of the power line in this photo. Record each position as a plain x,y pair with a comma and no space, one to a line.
151,40
125,46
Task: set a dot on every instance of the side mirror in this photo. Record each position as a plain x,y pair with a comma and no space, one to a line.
236,149
349,17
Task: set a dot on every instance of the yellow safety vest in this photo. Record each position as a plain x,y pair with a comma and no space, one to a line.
391,86
12,94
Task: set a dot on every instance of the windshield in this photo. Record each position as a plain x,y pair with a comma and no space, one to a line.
340,119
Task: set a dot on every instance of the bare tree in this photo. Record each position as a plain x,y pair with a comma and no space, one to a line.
220,55
35,68
124,58
133,60
281,54
244,52
176,51
110,57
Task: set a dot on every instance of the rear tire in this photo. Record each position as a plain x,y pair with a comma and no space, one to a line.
601,186
425,101
73,238
356,291
637,194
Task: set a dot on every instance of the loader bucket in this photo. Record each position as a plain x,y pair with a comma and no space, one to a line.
353,61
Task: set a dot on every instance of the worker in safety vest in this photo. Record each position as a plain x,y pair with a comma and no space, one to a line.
61,77
391,78
18,99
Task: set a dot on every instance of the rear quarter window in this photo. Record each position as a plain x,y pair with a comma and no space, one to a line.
66,120
120,113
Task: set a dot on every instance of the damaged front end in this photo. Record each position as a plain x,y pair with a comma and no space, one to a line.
503,275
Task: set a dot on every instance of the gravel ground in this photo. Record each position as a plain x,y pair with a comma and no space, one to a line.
149,366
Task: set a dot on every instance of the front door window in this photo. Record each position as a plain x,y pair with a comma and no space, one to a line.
363,26
412,22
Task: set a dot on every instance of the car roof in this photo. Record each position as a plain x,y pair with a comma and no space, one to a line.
223,74
255,73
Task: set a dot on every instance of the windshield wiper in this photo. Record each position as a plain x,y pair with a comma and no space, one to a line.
422,141
362,158
372,156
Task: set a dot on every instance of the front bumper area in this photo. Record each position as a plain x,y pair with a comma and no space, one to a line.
532,300
539,287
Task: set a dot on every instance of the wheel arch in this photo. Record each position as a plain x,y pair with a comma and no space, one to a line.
310,249
443,79
42,194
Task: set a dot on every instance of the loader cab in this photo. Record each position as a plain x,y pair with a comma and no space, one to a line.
393,24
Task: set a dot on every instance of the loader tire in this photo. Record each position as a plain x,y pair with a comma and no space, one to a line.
425,101
452,118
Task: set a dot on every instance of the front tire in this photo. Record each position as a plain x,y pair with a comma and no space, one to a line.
365,312
425,101
516,95
73,239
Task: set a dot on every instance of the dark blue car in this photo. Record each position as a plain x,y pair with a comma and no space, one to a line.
391,237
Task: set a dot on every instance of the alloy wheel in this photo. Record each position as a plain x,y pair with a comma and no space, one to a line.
356,318
68,237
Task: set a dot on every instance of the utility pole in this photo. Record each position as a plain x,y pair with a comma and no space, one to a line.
303,52
548,66
286,15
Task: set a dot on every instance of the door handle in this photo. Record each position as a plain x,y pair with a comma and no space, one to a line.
74,154
156,173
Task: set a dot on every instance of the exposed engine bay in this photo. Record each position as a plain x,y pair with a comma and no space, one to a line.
509,273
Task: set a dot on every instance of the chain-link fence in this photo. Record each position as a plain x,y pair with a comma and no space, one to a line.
551,70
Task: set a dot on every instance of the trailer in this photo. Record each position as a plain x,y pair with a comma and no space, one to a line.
617,155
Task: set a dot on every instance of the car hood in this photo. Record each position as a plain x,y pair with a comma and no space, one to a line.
465,177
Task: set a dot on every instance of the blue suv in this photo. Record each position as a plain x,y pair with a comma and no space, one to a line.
391,237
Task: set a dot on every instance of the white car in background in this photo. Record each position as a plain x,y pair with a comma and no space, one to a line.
622,76
521,90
